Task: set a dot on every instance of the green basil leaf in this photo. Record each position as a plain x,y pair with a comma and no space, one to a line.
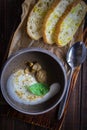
38,89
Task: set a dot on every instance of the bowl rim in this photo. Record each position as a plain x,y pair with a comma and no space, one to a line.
25,50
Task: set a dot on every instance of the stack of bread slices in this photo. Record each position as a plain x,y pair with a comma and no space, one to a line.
56,20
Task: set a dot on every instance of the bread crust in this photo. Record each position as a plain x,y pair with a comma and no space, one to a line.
29,34
58,25
52,8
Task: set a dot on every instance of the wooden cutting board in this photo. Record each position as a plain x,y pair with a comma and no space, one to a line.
21,40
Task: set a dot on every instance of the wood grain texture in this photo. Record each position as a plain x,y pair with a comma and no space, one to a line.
72,118
6,124
10,12
76,116
84,97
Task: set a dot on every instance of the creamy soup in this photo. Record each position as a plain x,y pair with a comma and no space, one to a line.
16,88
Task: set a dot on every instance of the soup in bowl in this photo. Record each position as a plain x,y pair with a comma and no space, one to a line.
33,81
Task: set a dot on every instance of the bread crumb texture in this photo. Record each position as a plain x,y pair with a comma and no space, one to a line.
35,19
52,18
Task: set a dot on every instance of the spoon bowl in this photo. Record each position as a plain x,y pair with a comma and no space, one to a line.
76,54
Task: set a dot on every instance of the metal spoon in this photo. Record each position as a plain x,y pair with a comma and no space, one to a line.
75,57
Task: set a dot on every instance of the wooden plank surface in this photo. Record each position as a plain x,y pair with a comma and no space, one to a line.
84,97
72,119
76,117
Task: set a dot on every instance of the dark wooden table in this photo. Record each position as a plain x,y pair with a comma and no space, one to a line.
76,117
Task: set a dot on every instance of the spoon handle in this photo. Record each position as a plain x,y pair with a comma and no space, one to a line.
64,100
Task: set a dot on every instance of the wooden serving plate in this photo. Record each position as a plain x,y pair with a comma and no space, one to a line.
21,40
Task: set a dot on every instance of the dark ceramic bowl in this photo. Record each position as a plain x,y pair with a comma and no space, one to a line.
50,62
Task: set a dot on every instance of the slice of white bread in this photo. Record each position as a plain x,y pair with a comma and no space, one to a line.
35,19
52,17
69,23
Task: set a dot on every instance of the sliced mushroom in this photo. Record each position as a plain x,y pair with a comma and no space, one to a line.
41,76
26,70
36,67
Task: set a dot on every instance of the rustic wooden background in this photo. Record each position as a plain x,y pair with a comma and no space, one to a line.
76,117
